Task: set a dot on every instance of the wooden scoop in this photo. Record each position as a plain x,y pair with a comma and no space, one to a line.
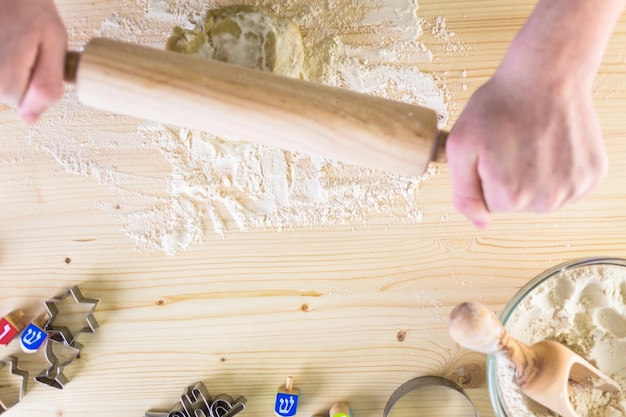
238,103
542,370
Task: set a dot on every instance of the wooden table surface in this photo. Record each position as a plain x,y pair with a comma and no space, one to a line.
350,312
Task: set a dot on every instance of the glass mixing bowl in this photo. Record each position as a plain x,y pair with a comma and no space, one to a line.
492,377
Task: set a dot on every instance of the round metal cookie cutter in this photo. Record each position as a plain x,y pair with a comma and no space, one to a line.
424,382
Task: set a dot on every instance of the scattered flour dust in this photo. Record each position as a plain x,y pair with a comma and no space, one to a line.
216,183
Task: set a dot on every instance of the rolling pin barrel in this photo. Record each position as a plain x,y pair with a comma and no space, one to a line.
244,104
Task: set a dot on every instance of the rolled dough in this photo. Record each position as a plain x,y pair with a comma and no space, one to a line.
247,36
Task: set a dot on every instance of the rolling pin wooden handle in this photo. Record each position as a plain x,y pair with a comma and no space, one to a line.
474,326
440,148
250,105
71,66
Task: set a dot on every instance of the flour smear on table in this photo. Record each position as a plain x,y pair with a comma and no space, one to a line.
216,184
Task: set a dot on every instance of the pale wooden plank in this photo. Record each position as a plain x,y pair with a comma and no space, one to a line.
350,312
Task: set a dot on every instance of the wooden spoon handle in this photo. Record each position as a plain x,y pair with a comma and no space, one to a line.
474,326
243,104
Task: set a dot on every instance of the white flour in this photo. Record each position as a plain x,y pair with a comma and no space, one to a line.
219,184
584,309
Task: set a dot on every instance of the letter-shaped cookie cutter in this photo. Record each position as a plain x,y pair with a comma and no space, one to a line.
196,398
12,363
54,376
62,333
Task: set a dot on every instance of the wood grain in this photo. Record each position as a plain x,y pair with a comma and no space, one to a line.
350,312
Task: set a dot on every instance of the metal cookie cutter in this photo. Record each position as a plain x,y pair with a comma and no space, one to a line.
11,362
196,398
62,333
54,376
423,382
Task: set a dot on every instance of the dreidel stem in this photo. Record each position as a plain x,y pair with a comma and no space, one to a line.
340,409
41,320
15,316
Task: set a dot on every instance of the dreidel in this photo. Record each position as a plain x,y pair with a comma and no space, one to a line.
10,326
340,409
34,334
286,403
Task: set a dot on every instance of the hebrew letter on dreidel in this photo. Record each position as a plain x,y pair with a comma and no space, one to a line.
32,338
5,331
286,405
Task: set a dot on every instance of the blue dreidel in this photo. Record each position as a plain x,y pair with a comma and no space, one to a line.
34,336
286,403
340,409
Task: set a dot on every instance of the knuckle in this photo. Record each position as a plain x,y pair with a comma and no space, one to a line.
547,205
511,199
462,204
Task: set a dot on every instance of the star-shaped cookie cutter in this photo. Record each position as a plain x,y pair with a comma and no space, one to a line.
54,376
63,333
12,363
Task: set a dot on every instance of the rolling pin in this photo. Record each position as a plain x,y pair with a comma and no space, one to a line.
249,105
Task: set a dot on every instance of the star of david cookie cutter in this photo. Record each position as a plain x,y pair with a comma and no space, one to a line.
196,398
54,376
63,333
12,363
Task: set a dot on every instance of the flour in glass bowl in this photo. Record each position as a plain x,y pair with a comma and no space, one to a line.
217,184
584,309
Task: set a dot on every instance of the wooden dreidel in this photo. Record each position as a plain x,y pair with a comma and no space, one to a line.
286,403
34,335
340,409
10,326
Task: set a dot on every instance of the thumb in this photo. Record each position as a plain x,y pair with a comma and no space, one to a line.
467,191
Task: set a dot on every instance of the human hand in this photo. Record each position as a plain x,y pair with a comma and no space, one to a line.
529,139
525,142
33,41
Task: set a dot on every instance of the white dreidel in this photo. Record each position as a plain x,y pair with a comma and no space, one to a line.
286,403
34,334
10,326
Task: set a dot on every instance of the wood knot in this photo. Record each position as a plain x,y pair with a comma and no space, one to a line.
160,302
401,336
304,307
468,370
